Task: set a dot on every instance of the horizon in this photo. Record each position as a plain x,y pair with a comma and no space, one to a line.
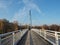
42,11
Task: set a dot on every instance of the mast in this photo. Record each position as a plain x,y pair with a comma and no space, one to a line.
30,19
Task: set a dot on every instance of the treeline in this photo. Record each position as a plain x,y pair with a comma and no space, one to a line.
53,27
6,26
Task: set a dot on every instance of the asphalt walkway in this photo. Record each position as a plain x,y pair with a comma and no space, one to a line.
32,38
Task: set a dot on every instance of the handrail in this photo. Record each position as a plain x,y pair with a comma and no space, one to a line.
50,36
11,38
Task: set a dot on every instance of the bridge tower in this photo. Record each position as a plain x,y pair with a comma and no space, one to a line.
30,19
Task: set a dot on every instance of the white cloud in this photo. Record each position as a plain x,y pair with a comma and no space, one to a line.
20,14
29,5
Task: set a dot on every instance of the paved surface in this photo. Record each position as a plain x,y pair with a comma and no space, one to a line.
32,38
37,40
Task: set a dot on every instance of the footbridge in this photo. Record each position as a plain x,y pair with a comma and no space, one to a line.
30,37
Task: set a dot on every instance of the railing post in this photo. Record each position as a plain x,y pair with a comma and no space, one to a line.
45,34
40,32
21,33
56,37
13,38
0,41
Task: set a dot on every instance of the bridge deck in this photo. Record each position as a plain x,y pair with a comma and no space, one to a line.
32,38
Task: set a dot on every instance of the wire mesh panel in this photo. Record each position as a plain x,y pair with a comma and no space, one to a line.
58,37
7,39
11,38
17,36
51,36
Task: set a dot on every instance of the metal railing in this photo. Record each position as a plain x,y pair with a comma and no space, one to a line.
51,36
11,38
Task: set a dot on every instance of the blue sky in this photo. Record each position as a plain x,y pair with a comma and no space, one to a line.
42,11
